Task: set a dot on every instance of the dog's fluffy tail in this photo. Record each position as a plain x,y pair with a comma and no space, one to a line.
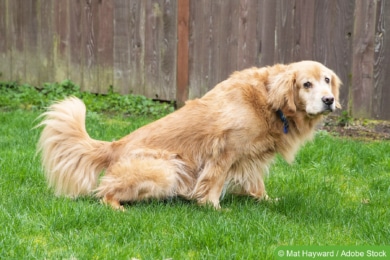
71,159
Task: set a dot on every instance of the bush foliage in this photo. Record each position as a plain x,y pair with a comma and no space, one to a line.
24,96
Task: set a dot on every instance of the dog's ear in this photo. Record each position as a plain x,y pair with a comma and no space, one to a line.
335,84
281,92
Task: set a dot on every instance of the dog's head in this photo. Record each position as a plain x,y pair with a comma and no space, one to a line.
304,86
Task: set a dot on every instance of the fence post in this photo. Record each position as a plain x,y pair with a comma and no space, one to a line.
182,78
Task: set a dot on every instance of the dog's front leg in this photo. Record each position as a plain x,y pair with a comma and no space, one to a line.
212,194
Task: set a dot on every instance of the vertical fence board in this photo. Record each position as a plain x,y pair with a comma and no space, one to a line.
322,25
160,49
195,25
17,18
362,66
153,23
214,48
247,29
61,41
31,47
168,43
76,42
304,23
381,96
137,46
122,64
105,44
266,29
182,80
228,39
90,32
285,34
46,41
200,17
285,31
5,42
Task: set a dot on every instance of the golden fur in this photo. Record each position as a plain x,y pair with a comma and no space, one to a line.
223,141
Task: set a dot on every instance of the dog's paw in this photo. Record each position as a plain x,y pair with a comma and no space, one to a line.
113,203
209,204
269,199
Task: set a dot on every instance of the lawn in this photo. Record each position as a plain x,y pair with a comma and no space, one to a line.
337,192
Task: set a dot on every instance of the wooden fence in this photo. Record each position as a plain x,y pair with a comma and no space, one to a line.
179,49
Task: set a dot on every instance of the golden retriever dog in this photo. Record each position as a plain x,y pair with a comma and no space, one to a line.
222,142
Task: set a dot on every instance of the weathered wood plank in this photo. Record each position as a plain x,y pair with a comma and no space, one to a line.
211,49
322,25
153,24
160,49
266,27
136,47
90,32
60,42
105,43
31,47
247,47
227,37
168,47
304,27
182,73
198,20
363,56
211,55
76,42
46,41
5,42
122,76
285,33
17,28
381,91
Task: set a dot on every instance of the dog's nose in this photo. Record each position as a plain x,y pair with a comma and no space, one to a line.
328,100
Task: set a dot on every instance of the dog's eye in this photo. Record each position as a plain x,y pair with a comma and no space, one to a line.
307,84
327,80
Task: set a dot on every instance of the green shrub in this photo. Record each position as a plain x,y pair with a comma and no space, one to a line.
24,96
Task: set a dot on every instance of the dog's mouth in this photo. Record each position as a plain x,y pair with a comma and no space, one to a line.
327,110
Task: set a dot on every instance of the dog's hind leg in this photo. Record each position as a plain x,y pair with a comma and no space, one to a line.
138,179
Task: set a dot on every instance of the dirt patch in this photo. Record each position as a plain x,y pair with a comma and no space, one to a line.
366,130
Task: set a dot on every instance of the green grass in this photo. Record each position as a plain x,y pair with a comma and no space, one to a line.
336,193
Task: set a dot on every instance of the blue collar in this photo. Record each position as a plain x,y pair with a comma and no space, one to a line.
284,120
